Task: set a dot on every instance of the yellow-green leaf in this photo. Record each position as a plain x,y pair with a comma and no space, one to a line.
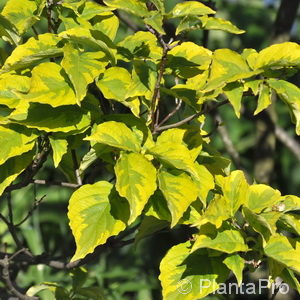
258,223
50,119
179,190
186,276
132,6
139,45
176,155
227,66
91,218
20,13
234,188
84,37
50,86
11,85
236,264
216,212
210,23
189,59
284,251
281,55
33,51
290,94
234,93
14,143
115,83
228,241
205,182
190,8
260,197
8,31
136,181
82,68
115,134
14,166
264,98
59,148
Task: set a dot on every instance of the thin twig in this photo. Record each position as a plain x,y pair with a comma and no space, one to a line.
189,118
76,167
56,183
171,114
35,205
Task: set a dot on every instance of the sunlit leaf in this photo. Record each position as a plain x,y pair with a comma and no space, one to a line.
136,181
91,218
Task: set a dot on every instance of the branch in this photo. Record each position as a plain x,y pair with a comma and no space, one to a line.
12,230
156,93
56,183
288,141
4,263
76,167
189,118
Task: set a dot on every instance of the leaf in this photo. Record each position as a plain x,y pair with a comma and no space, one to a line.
59,148
115,83
140,45
50,86
234,188
186,276
176,155
115,134
14,166
15,143
234,93
227,66
107,23
179,190
258,223
84,37
291,202
210,23
33,51
155,20
12,87
20,13
291,222
190,8
261,196
143,79
280,249
45,117
9,31
290,94
91,219
216,212
236,264
136,181
82,68
205,182
132,6
264,98
149,226
228,241
278,55
189,59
